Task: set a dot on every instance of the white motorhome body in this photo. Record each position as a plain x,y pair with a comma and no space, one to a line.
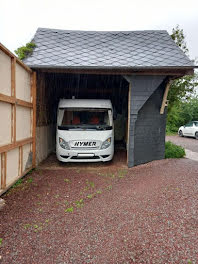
84,130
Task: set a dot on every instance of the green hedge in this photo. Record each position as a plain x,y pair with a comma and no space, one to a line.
173,151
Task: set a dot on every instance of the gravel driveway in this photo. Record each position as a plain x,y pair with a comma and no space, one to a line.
104,214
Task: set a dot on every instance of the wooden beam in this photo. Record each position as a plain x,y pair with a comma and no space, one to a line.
7,99
21,160
13,94
13,100
34,119
127,78
23,103
13,123
13,77
16,144
3,169
129,116
164,100
20,167
31,112
122,71
9,53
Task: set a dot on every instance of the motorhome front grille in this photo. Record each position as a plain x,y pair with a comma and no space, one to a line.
84,148
81,158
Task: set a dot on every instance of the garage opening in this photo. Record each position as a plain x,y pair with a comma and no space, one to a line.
51,87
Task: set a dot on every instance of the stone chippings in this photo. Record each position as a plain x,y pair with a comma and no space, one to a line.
147,216
62,48
2,204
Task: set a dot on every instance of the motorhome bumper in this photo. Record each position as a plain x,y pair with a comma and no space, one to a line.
73,156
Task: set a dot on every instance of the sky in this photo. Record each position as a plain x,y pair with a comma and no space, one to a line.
19,19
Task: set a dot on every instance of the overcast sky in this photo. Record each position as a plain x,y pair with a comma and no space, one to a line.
19,19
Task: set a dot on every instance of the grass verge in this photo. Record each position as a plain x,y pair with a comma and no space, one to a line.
171,133
173,151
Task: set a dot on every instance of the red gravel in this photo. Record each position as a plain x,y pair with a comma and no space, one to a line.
147,214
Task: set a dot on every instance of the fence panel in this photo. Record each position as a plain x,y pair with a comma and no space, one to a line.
17,119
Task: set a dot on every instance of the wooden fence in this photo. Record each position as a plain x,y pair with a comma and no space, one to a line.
17,119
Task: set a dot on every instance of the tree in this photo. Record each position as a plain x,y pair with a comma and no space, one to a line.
179,38
181,88
24,51
183,104
181,113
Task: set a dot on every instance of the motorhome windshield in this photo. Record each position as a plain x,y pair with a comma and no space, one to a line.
84,119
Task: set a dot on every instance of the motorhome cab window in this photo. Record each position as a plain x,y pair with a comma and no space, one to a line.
84,119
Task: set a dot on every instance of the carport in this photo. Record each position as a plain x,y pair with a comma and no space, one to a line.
133,69
54,86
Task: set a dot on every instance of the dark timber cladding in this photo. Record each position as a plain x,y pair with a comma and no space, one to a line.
150,129
148,60
147,126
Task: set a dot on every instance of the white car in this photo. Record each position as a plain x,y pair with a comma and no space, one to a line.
189,130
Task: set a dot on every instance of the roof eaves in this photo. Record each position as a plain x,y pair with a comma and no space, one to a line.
114,68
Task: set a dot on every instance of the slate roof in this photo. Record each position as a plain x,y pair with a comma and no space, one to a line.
97,49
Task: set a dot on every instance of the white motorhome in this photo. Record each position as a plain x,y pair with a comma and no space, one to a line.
84,130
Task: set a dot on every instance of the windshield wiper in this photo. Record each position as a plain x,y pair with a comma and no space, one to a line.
70,127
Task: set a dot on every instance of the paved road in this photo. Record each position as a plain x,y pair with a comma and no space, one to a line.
185,142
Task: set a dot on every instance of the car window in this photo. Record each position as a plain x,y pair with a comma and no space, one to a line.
196,124
190,124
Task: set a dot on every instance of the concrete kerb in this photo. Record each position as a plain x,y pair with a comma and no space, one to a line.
191,155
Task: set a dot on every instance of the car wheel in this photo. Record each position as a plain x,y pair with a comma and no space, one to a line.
180,133
196,135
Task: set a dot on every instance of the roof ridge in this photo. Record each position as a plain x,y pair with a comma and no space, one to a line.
100,31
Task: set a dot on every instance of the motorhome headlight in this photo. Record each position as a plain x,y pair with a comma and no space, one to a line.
63,143
106,143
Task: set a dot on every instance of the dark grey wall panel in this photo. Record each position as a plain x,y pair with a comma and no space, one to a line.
150,130
142,88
